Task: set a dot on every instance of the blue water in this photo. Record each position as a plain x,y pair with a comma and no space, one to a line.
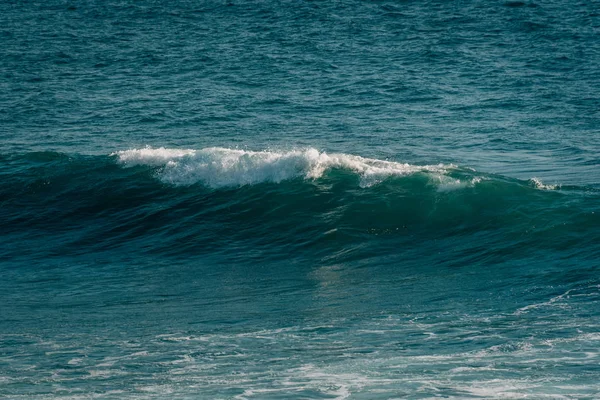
299,199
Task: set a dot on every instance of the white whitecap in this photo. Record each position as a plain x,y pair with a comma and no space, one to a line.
150,156
538,184
221,167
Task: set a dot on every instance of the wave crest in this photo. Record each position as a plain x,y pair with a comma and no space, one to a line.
221,167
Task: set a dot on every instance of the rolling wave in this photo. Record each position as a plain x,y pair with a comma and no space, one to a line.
223,168
179,201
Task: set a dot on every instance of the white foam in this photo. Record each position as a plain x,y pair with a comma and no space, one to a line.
538,184
544,304
219,167
150,156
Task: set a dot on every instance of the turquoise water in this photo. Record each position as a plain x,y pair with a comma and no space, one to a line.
317,200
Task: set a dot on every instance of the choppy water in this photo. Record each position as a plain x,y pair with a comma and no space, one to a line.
279,199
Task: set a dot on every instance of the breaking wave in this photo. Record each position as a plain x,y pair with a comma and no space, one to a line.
220,167
173,201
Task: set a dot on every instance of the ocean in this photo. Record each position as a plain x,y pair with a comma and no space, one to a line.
299,199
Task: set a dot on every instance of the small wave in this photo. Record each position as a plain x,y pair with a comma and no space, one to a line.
220,167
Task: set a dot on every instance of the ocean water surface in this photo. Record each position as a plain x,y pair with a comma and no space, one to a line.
299,199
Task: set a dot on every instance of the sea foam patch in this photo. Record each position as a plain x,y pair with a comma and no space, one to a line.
538,184
150,156
219,167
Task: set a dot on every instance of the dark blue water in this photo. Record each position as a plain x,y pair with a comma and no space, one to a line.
299,199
